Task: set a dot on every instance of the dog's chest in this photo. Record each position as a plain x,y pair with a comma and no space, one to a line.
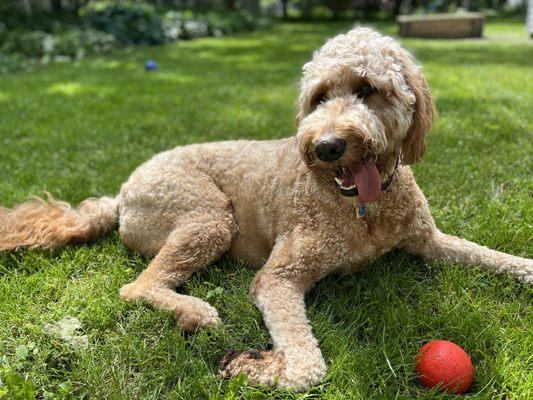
362,240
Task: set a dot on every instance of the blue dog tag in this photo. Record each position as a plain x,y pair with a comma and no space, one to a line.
361,210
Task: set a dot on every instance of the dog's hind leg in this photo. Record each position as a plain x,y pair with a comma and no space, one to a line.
199,240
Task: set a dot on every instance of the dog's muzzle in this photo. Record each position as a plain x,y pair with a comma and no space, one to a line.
330,148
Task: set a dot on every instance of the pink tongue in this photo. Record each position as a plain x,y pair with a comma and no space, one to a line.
368,182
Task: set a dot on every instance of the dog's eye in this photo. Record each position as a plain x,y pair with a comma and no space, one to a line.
364,91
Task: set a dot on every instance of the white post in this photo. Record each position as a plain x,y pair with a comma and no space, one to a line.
529,19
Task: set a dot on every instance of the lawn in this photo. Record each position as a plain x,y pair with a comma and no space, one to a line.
78,130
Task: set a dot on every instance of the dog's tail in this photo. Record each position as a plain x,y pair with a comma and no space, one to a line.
50,223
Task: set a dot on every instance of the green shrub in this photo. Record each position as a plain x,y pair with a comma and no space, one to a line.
77,42
242,21
129,23
187,25
97,41
237,21
105,23
3,33
33,44
194,28
74,43
69,43
173,25
13,62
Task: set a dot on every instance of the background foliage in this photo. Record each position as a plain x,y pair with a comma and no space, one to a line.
40,31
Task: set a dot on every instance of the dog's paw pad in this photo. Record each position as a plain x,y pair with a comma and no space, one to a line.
260,366
231,355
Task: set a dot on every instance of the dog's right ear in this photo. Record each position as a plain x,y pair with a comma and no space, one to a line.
414,144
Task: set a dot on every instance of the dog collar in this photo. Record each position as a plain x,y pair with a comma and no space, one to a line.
385,185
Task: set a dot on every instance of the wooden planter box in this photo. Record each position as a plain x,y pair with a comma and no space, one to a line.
448,26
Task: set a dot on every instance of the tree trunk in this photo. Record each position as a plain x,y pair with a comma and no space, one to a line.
230,5
75,6
397,8
284,8
27,7
307,9
57,7
529,18
251,5
409,6
334,7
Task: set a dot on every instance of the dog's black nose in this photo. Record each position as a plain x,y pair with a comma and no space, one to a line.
330,148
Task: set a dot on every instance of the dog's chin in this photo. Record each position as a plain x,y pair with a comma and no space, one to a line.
349,192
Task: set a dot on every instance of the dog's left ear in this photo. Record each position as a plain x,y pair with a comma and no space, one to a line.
414,144
299,117
304,106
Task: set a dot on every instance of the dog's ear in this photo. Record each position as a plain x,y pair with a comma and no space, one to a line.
310,95
304,107
414,144
299,117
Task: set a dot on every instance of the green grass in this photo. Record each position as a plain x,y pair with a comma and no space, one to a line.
79,129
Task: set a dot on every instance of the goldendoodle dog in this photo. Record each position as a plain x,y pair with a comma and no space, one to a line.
333,198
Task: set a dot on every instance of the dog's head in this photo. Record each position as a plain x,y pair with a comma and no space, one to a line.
364,104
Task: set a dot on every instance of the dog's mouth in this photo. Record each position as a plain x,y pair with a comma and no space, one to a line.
361,179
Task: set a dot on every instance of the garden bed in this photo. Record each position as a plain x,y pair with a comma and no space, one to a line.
446,26
103,26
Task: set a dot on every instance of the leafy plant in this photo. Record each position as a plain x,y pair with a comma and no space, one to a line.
77,42
31,44
12,383
104,24
129,23
69,43
12,62
188,25
95,41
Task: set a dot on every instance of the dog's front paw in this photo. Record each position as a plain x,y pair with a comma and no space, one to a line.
131,292
528,273
197,314
299,372
261,367
521,268
190,312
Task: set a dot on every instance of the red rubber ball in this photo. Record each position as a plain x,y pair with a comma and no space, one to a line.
445,363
